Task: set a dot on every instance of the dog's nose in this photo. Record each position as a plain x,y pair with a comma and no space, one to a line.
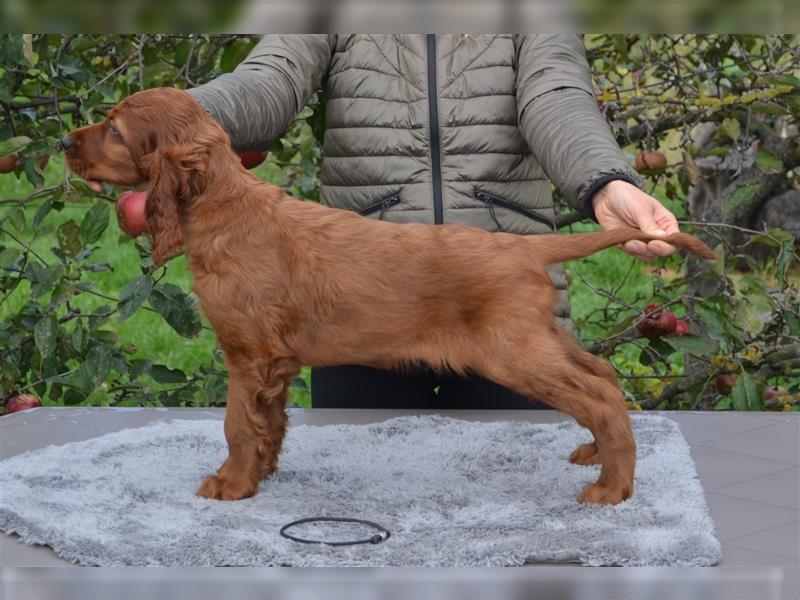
66,142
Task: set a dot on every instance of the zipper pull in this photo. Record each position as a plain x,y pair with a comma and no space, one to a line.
390,202
484,197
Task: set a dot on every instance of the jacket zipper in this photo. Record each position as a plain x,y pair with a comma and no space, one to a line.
382,205
433,111
491,201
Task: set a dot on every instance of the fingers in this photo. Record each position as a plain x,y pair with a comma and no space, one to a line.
648,251
95,185
638,250
660,248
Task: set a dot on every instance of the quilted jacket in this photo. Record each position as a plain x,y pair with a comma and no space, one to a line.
464,129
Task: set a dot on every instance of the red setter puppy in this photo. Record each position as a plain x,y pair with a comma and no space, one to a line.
286,283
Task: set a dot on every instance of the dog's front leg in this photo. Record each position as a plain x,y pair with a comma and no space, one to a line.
255,423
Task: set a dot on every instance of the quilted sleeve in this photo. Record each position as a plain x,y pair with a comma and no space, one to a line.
559,119
258,101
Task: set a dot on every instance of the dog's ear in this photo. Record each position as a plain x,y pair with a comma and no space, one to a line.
175,175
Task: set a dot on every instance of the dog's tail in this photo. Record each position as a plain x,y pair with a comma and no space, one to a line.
560,248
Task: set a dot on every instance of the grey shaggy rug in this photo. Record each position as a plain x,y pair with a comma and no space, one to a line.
452,493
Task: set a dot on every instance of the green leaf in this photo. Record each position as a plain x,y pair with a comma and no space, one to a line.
163,374
724,403
768,162
70,65
14,145
740,195
784,260
133,296
68,237
215,389
139,366
745,394
32,173
692,344
730,128
42,212
793,321
79,336
94,223
769,108
9,257
234,53
182,52
177,309
45,334
16,216
712,319
73,397
98,364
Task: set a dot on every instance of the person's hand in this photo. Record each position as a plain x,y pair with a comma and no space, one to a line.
618,203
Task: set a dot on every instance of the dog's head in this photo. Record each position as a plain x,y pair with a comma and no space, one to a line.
160,139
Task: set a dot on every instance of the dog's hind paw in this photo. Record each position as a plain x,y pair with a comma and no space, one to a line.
596,493
585,454
218,487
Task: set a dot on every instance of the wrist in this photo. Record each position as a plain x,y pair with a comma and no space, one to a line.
604,186
612,188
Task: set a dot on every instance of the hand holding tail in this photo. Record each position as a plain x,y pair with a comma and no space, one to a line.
620,204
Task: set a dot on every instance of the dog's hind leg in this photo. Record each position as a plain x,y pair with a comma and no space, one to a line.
587,454
544,370
255,423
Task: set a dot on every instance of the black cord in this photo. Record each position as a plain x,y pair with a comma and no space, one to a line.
382,535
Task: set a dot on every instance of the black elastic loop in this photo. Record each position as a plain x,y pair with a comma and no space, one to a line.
382,535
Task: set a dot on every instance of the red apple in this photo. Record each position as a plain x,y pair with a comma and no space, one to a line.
725,383
652,307
7,163
251,160
681,327
774,393
650,163
131,212
20,402
657,324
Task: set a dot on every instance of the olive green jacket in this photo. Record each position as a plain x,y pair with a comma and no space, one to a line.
434,128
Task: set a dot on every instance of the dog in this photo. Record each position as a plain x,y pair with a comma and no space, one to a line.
286,283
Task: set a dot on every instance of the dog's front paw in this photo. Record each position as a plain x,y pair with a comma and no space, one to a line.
596,493
219,487
585,454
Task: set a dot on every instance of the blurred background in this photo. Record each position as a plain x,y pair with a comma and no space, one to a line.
381,16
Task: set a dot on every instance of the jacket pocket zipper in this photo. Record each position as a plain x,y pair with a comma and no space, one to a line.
492,201
382,205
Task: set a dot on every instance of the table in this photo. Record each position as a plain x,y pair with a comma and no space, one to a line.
748,464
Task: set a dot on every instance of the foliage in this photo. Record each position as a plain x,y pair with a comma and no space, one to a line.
62,340
659,93
51,343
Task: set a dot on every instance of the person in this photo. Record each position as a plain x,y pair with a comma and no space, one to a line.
438,129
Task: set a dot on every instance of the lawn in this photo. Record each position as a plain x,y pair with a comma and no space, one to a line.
155,340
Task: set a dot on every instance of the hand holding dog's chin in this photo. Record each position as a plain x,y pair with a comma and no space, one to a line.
618,204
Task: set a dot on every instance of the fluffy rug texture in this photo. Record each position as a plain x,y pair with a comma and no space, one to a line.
452,493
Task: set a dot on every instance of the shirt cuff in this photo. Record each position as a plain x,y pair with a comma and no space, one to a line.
587,196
